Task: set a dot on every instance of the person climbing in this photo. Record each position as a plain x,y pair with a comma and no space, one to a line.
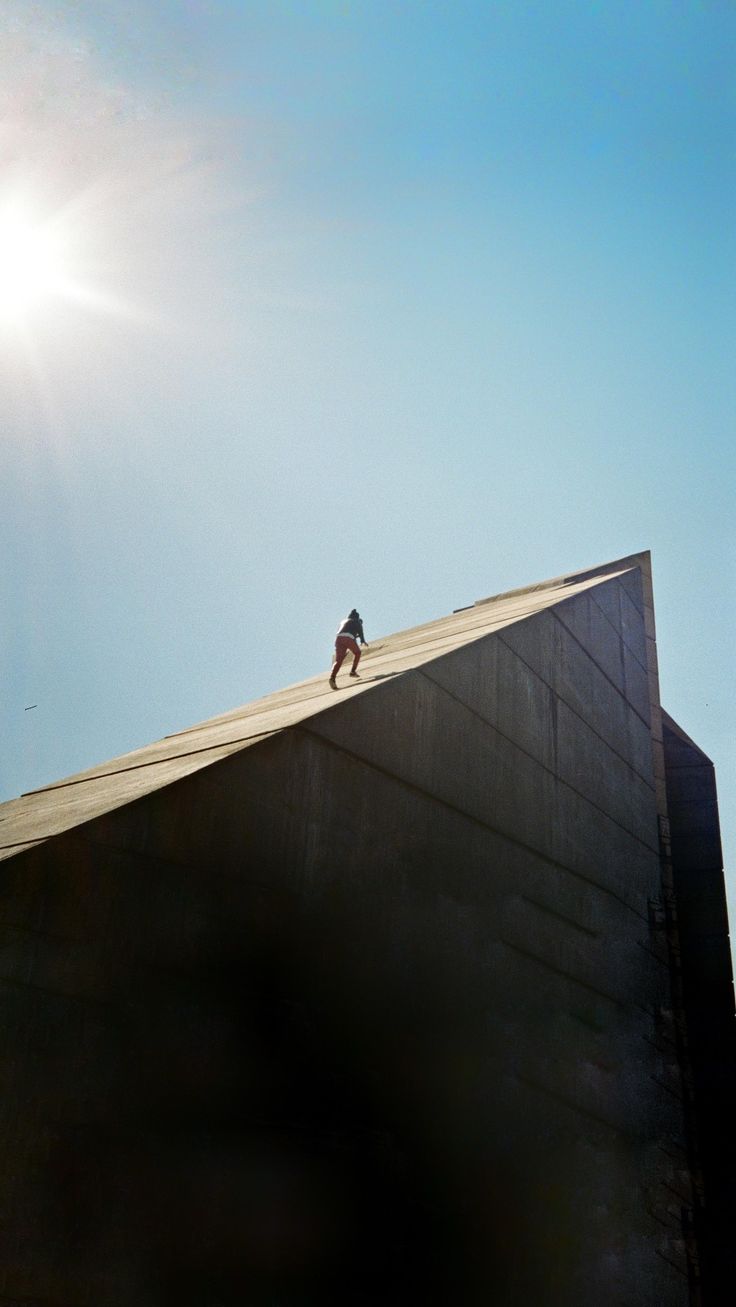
346,641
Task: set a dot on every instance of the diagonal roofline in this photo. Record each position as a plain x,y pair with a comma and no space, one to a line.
643,559
75,800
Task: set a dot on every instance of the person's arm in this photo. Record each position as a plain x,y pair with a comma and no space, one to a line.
360,634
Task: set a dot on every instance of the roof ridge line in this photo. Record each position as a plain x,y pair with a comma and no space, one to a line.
628,562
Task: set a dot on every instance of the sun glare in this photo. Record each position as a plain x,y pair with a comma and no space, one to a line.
34,264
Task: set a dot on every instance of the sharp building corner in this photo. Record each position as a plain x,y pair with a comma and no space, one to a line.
415,992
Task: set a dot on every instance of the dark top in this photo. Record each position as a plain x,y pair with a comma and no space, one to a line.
352,626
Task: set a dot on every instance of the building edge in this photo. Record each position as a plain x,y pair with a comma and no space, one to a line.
703,985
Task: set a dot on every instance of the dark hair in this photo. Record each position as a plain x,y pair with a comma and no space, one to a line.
353,613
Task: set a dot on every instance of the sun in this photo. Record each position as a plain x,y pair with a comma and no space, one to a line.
35,264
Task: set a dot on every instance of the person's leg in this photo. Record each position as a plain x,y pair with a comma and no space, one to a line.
341,648
356,651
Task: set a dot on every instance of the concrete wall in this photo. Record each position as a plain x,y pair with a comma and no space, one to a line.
708,1003
370,1012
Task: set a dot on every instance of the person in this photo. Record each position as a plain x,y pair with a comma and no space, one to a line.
346,641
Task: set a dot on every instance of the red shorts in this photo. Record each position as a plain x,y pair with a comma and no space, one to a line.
346,644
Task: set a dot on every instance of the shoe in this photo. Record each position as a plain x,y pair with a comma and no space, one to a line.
355,674
333,683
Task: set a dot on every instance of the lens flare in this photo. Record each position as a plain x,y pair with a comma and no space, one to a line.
35,264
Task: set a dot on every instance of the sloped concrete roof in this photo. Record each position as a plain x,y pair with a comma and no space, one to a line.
44,813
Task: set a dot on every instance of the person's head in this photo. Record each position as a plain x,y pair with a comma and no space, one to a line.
353,613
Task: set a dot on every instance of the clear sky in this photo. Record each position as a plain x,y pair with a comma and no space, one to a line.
318,304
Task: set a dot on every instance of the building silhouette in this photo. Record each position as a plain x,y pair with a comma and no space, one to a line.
417,992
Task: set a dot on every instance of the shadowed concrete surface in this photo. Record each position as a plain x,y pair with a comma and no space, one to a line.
707,986
374,996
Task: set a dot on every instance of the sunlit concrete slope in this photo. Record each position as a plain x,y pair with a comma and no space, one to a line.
69,802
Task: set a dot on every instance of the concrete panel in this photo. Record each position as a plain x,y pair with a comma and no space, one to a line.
503,679
503,690
549,648
632,582
615,604
467,764
604,778
690,784
654,696
708,1001
632,626
637,688
615,968
585,620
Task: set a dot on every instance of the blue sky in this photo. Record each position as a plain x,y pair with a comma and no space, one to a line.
387,304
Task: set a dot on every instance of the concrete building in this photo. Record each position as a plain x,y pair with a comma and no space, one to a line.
418,992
